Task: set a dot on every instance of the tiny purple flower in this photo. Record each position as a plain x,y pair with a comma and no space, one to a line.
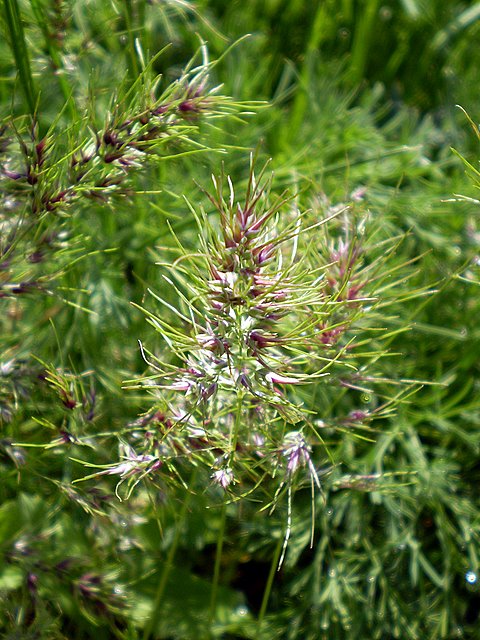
297,452
132,464
223,477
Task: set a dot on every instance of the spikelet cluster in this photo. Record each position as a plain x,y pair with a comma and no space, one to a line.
251,319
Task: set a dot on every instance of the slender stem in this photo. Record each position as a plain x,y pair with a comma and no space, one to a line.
167,569
218,559
20,52
131,39
221,533
268,586
236,426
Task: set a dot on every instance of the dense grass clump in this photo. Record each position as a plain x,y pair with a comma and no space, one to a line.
239,339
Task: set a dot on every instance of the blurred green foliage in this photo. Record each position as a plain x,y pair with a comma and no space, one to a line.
343,95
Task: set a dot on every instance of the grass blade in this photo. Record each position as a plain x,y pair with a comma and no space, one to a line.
20,52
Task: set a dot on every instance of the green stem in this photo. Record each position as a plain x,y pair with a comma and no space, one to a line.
218,559
269,584
236,426
221,534
20,52
131,39
167,569
361,41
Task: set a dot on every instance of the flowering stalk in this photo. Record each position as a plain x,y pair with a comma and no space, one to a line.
236,358
47,176
98,163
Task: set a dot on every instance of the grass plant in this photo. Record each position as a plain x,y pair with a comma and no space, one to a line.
240,406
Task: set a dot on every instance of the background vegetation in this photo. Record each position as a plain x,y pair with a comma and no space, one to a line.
114,116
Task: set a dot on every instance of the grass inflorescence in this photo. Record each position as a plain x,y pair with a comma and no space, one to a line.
238,341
